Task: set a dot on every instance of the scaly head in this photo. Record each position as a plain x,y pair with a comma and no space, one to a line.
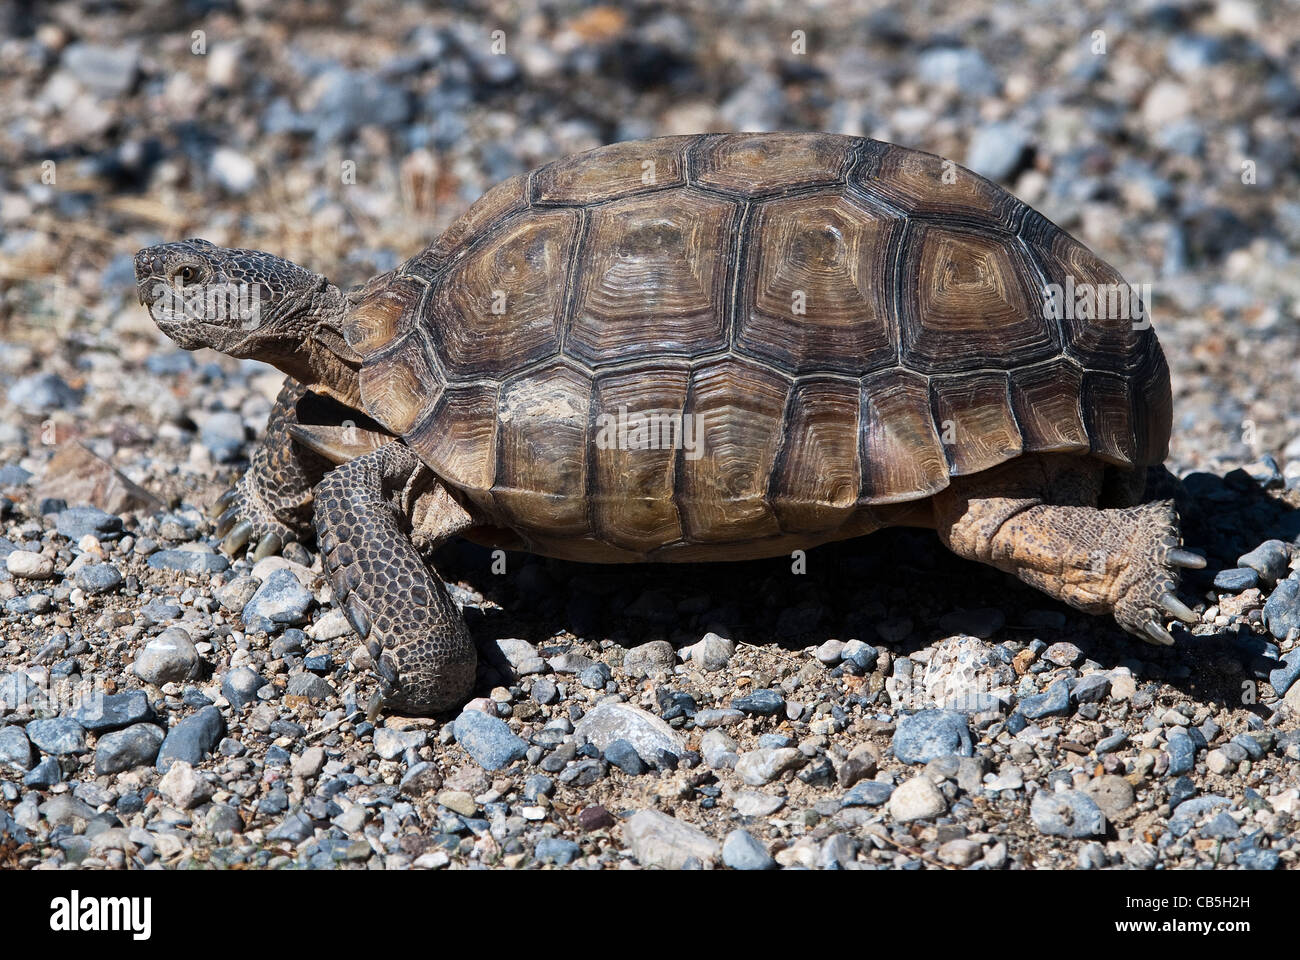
249,304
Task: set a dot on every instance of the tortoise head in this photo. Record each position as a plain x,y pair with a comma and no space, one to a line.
245,303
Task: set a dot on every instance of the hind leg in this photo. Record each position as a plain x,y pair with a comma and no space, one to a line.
1038,519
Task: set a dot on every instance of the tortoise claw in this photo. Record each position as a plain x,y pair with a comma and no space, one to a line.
226,521
1179,557
269,544
221,503
237,537
360,620
1157,634
1177,608
372,707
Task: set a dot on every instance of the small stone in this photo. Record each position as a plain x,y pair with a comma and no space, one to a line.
1063,654
193,738
861,655
1091,688
183,787
712,653
309,685
98,578
658,840
762,703
42,776
858,765
390,743
595,817
240,686
740,851
758,767
927,734
557,851
488,740
916,799
1055,700
1069,813
120,750
169,657
1285,676
960,852
15,750
29,565
623,755
189,561
756,803
1218,762
1281,610
280,601
830,652
309,763
1182,753
112,711
58,736
868,793
1236,580
236,173
458,800
648,734
651,659
1270,560
709,719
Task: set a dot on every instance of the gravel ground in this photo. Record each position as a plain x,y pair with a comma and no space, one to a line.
891,707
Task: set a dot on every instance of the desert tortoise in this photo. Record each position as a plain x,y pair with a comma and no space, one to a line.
698,348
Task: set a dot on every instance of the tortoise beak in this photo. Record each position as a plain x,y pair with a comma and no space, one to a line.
149,272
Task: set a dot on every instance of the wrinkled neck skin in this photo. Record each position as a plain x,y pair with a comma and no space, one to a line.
309,346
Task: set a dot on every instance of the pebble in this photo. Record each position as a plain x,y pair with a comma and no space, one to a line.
390,743
1236,580
169,657
188,561
77,522
1270,560
58,736
557,850
184,787
648,734
761,703
1285,676
917,799
29,565
42,393
112,711
15,750
740,851
623,755
120,750
1054,700
867,793
1063,654
1069,813
652,659
1281,610
1182,753
928,734
193,738
280,601
1092,688
658,840
712,653
98,578
759,767
310,686
488,740
707,719
240,686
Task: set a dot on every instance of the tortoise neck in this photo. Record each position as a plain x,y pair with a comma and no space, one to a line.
320,358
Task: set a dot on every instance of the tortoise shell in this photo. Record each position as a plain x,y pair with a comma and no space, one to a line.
846,324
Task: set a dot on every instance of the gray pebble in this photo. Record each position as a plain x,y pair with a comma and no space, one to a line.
120,750
740,851
1070,813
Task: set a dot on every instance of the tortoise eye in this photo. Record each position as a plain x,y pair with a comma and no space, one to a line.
188,274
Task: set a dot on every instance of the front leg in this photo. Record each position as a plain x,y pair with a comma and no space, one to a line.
365,509
270,505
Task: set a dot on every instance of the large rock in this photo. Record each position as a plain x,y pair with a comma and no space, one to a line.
120,750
